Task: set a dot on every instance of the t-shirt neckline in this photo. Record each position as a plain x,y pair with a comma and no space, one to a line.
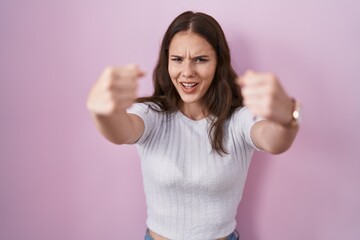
192,121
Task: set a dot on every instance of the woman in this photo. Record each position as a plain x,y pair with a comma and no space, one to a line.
196,134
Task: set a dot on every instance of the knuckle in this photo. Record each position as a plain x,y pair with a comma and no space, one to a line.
271,76
270,91
108,84
272,94
271,79
109,71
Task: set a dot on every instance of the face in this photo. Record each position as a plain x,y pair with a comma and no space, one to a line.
192,64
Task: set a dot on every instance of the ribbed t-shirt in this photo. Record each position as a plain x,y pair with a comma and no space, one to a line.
191,191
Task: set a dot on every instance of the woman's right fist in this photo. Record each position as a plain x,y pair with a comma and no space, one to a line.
114,91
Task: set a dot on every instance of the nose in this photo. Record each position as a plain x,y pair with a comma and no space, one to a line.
188,70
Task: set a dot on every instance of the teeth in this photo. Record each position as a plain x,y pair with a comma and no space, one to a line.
188,85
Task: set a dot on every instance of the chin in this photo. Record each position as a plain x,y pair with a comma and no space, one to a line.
189,99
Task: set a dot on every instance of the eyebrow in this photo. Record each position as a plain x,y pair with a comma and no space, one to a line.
199,56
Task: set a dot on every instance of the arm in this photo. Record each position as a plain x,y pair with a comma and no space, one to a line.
122,128
265,98
108,100
272,137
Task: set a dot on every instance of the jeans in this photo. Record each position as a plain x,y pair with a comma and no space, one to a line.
233,236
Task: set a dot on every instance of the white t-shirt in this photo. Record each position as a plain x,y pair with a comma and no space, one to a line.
191,191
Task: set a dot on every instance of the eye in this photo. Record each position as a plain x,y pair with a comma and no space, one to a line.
201,60
176,59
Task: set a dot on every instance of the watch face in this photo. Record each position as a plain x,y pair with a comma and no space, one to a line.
296,114
297,111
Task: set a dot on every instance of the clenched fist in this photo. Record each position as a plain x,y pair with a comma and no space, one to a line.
115,90
265,97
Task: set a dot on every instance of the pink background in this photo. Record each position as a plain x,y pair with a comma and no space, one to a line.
59,179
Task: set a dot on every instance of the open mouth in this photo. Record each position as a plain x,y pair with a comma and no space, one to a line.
189,85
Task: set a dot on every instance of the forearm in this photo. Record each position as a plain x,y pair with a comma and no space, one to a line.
108,99
273,137
117,128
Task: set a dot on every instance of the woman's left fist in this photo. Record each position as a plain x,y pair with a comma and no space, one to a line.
265,97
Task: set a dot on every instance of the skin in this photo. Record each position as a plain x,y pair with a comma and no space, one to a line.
266,98
192,60
108,99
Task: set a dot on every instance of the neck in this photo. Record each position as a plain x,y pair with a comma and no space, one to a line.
193,111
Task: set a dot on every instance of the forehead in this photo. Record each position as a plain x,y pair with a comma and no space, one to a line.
191,42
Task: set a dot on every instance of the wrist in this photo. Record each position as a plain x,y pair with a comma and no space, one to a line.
295,114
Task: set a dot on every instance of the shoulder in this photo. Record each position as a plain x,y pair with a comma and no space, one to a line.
144,107
242,119
241,113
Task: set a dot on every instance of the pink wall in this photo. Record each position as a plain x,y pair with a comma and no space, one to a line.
60,180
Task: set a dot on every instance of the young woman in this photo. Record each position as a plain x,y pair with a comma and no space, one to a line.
196,134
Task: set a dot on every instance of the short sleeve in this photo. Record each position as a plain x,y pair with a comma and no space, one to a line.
144,111
243,121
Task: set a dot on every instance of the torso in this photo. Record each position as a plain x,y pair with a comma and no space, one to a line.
185,183
156,236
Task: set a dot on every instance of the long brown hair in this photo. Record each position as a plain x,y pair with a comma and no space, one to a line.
222,97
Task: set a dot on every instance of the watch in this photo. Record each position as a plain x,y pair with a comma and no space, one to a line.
296,114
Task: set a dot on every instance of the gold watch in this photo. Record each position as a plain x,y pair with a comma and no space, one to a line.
296,114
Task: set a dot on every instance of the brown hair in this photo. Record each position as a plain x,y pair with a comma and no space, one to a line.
222,97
